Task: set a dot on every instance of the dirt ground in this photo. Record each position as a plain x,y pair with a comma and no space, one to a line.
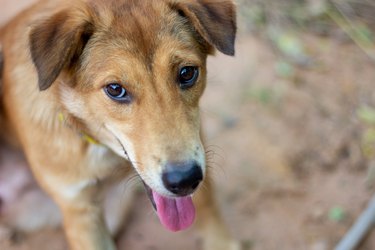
289,160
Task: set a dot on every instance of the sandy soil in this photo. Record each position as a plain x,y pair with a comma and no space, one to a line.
287,151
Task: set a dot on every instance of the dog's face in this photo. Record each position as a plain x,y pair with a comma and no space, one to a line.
132,72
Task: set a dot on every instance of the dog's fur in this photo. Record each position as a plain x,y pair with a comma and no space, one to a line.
55,59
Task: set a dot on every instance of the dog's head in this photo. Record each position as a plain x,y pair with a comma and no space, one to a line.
133,71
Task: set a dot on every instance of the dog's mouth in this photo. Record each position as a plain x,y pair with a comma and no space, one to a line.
176,214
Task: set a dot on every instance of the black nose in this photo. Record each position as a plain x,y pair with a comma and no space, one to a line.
182,178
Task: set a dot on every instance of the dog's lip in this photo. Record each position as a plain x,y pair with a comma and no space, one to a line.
150,196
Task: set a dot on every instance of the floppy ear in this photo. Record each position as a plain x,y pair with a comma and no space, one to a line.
57,43
215,21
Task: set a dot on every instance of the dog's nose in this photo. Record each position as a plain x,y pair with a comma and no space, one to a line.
182,178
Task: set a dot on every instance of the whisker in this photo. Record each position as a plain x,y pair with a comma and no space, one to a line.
216,168
215,160
212,155
135,178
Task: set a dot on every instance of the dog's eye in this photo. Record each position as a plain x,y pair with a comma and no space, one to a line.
188,76
118,93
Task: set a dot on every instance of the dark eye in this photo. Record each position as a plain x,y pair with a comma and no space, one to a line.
188,76
117,93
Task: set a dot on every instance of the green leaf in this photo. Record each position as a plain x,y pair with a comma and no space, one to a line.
290,45
262,95
284,69
336,214
369,136
366,114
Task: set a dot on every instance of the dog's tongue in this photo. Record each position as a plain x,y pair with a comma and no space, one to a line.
175,214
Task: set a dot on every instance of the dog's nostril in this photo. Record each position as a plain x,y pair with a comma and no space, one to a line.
182,178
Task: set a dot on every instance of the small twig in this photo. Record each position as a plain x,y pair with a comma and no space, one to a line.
346,25
360,229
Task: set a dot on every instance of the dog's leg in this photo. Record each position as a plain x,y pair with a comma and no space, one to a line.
80,202
84,222
209,222
117,205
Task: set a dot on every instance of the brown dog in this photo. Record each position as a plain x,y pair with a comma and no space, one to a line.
95,88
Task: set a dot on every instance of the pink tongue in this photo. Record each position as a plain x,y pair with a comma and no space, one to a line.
175,214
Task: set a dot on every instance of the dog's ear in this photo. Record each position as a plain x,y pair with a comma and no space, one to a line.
215,21
56,43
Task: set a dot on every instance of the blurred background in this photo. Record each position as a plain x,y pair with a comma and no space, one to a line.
290,122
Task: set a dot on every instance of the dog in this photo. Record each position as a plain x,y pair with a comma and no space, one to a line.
95,90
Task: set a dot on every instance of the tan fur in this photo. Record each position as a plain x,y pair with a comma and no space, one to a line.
58,56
